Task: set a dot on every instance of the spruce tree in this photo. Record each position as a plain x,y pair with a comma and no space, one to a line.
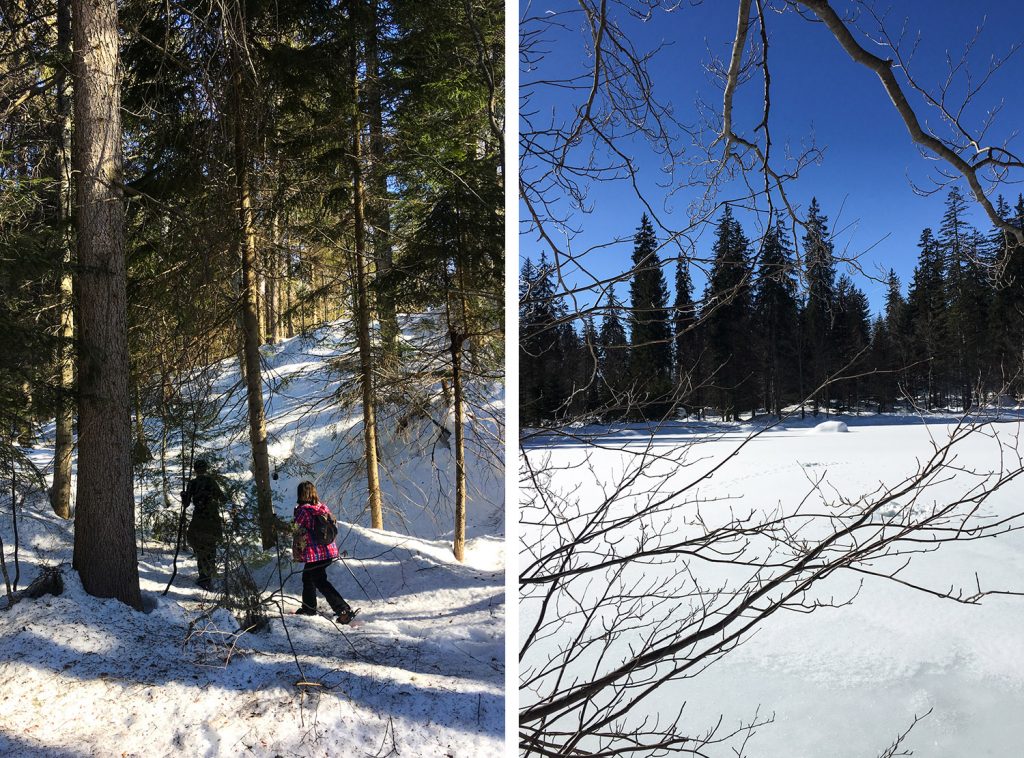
890,343
588,367
614,360
927,317
819,310
529,378
776,321
650,352
542,338
851,335
964,254
727,316
1006,318
686,354
881,385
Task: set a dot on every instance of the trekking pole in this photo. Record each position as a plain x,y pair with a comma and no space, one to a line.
184,497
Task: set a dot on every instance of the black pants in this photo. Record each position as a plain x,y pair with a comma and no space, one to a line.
314,577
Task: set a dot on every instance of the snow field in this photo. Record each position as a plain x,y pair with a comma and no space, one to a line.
421,672
840,681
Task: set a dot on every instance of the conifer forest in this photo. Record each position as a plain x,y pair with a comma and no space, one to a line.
773,330
245,247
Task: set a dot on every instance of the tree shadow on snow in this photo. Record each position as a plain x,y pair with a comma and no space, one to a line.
397,687
25,745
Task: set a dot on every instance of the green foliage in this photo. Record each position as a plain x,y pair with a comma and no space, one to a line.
726,319
650,333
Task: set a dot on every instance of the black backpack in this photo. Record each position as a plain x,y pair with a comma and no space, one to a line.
325,528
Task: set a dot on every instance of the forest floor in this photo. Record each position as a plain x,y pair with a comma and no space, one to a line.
420,672
841,681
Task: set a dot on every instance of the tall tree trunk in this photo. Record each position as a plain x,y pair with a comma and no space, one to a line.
104,553
363,308
140,452
272,268
251,317
380,208
289,287
326,301
60,494
261,300
459,543
165,423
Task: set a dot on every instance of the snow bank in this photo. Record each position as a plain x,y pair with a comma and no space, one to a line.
830,427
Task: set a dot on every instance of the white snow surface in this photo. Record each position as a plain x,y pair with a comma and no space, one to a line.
839,681
830,427
420,672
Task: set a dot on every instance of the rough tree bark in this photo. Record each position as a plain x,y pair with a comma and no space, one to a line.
251,316
363,306
60,494
104,552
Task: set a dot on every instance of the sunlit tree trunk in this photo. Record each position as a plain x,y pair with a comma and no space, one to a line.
459,543
60,494
104,552
250,315
273,271
363,307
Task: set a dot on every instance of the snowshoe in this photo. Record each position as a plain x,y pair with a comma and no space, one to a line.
301,611
346,616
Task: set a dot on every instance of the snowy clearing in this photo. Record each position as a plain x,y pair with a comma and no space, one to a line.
841,681
420,672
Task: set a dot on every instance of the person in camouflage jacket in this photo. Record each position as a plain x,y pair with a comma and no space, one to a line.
205,496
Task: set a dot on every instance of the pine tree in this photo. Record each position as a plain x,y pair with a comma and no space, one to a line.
927,317
882,386
589,366
650,354
529,378
1006,319
544,334
852,335
890,346
614,360
964,253
686,355
726,317
819,310
776,321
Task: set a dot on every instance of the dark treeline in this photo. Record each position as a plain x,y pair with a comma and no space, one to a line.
775,331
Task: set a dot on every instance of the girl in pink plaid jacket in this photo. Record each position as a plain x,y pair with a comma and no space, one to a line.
316,555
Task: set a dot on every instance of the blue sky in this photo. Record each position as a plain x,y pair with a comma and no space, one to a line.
864,181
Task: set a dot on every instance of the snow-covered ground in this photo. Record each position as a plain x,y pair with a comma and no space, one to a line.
420,673
839,681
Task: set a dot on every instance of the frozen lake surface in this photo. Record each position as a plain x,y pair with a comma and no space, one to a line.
841,681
